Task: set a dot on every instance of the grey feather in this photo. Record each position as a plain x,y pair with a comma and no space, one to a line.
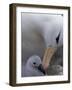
29,69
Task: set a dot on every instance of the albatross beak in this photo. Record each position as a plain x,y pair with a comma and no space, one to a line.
40,67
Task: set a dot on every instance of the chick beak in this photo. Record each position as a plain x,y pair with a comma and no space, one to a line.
40,67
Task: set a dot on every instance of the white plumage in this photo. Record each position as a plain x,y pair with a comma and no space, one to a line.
39,31
32,67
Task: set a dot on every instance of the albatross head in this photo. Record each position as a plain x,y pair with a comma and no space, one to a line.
34,62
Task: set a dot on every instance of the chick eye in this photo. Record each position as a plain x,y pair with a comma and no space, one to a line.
34,63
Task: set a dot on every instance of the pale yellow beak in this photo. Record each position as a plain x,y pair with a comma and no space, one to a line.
49,52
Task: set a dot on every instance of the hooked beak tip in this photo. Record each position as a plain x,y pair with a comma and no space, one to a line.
41,69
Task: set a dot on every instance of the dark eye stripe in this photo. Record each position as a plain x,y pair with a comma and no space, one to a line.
57,38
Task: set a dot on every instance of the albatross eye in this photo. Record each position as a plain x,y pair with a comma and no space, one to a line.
34,63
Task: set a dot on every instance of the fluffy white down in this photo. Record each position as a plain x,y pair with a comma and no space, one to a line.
29,69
